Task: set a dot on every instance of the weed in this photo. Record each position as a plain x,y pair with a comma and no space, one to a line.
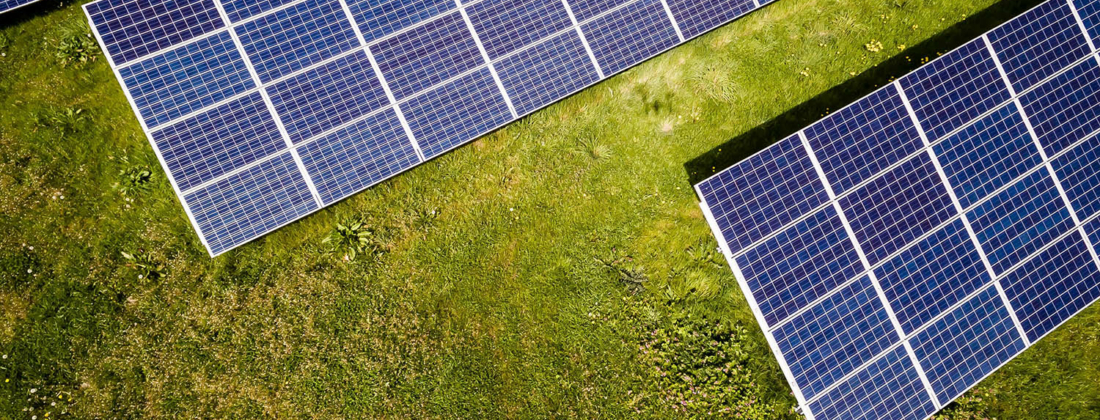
592,148
148,269
77,49
352,237
65,121
134,180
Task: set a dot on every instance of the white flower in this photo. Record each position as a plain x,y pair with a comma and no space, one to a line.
29,271
33,390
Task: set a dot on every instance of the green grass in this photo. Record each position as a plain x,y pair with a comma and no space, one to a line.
523,275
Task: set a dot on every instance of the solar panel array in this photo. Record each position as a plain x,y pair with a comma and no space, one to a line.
263,111
7,5
901,249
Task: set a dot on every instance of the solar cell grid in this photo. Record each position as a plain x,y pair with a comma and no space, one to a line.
505,26
294,38
1089,10
967,344
130,29
238,10
1066,108
802,263
326,97
888,388
629,35
897,207
835,337
184,80
769,191
932,275
456,112
1039,43
538,76
861,140
1020,220
215,142
957,88
698,16
959,322
7,5
427,55
987,155
1079,173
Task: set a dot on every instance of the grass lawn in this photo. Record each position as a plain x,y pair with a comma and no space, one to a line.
559,267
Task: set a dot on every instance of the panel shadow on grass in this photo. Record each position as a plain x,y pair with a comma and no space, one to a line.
738,148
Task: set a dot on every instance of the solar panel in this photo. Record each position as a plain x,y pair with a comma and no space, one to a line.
903,248
8,5
351,92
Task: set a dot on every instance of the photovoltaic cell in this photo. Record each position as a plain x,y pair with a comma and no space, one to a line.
698,16
256,200
1079,173
888,388
538,76
932,275
967,344
187,79
505,26
323,98
897,208
1039,43
134,28
208,145
356,157
841,333
789,271
630,35
1020,220
1048,289
587,9
987,155
933,319
7,5
297,37
455,113
955,89
1067,108
427,55
1090,16
238,10
380,18
767,192
859,141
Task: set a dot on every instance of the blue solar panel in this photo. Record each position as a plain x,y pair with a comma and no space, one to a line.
888,388
789,271
859,141
1048,289
763,193
356,157
835,337
587,9
1090,16
698,16
964,346
236,208
935,276
328,96
505,26
297,37
1020,220
1067,108
1079,173
238,10
187,79
457,112
131,29
538,76
897,208
380,18
1039,43
955,89
932,275
427,55
629,35
7,5
987,155
217,141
